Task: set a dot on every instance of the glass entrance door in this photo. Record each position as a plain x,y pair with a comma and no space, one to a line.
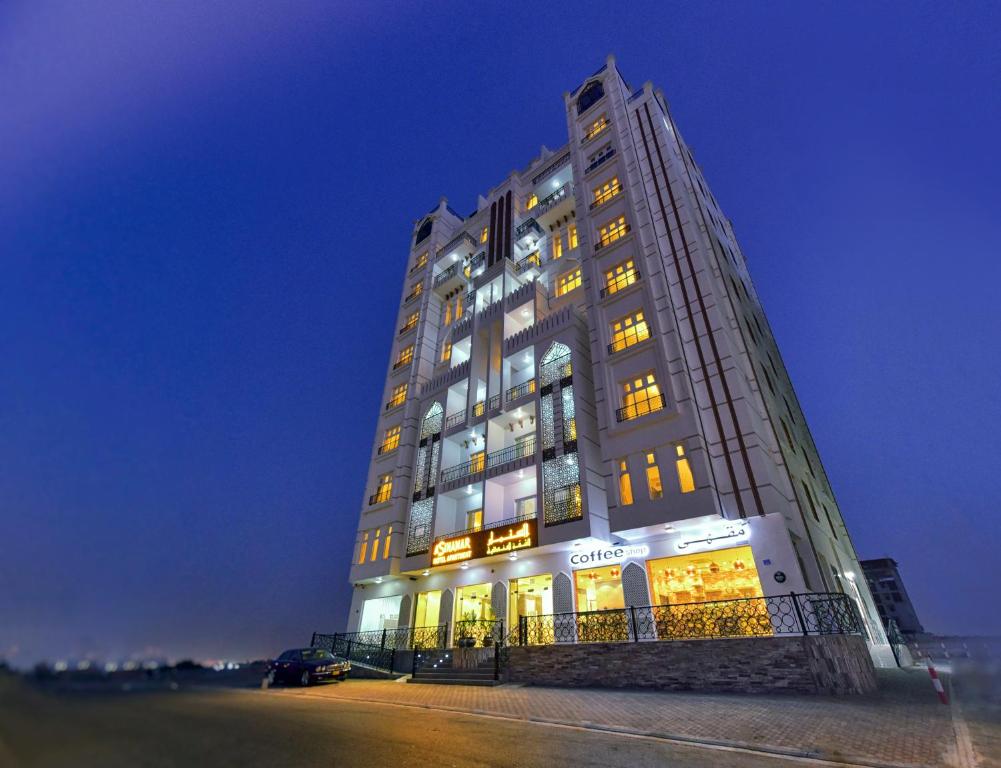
530,596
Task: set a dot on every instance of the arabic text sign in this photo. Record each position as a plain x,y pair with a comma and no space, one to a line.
495,541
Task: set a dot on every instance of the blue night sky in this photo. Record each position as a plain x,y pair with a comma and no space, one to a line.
205,211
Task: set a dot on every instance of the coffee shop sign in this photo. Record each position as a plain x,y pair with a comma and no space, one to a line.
614,554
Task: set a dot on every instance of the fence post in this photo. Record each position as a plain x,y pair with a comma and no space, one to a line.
799,613
522,630
632,616
496,661
348,654
382,645
501,638
392,659
312,641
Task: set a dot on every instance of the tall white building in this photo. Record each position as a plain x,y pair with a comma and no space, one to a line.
585,407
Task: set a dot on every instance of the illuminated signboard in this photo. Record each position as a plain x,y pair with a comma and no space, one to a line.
495,541
609,554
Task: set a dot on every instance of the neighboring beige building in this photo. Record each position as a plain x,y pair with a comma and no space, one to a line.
585,407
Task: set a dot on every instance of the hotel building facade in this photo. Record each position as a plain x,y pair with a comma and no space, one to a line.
584,406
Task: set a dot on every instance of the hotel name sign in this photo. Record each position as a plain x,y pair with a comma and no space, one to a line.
495,541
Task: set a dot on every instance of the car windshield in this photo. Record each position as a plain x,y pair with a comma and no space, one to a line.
314,654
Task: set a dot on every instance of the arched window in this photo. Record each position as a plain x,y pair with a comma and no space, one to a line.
589,96
424,232
432,421
555,364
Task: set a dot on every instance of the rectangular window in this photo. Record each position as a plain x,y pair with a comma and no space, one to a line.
383,490
619,276
685,479
533,200
525,507
406,355
474,519
484,234
612,231
653,476
568,281
476,462
421,261
447,319
595,128
640,396
385,550
398,396
721,574
428,605
391,440
809,500
629,330
625,484
375,546
412,319
605,192
557,246
446,351
571,237
416,289
363,549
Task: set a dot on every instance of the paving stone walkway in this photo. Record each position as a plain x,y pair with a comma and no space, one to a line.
903,724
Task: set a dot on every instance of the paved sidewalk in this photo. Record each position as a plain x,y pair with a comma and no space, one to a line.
904,724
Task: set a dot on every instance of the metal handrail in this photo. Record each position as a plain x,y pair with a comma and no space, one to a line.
454,419
605,243
622,414
445,275
520,390
600,160
613,192
550,200
511,453
606,290
494,402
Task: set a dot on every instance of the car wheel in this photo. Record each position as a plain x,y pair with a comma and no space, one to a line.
304,680
271,677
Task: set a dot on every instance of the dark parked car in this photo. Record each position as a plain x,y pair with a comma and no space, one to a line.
307,665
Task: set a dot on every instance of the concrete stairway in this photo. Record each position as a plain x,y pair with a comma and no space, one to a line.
440,670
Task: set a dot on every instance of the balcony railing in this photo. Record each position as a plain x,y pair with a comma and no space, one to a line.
488,527
622,282
520,390
388,447
528,225
457,241
621,233
408,327
630,412
554,199
478,260
380,496
495,459
400,363
517,451
479,409
395,403
446,275
600,159
455,419
494,402
412,296
532,260
623,344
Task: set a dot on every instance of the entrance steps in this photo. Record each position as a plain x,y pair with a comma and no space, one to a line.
440,674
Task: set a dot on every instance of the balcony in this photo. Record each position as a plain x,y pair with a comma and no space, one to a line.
409,326
600,160
527,227
551,201
533,260
620,234
455,419
479,409
620,283
494,402
450,278
476,465
525,388
457,242
642,408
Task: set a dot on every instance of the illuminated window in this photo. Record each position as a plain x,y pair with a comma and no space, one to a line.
458,308
630,330
384,489
619,276
412,319
416,290
533,258
533,201
405,356
484,234
685,479
428,605
363,549
446,351
477,461
557,245
375,546
625,484
595,128
653,476
605,192
385,551
448,313
398,396
391,440
571,237
474,519
639,397
568,281
722,574
422,260
613,230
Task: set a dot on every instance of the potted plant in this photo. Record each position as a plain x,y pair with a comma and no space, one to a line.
466,638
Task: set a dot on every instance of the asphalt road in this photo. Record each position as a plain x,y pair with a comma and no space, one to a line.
270,728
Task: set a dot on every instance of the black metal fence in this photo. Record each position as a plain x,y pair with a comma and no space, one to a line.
401,638
478,633
813,613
